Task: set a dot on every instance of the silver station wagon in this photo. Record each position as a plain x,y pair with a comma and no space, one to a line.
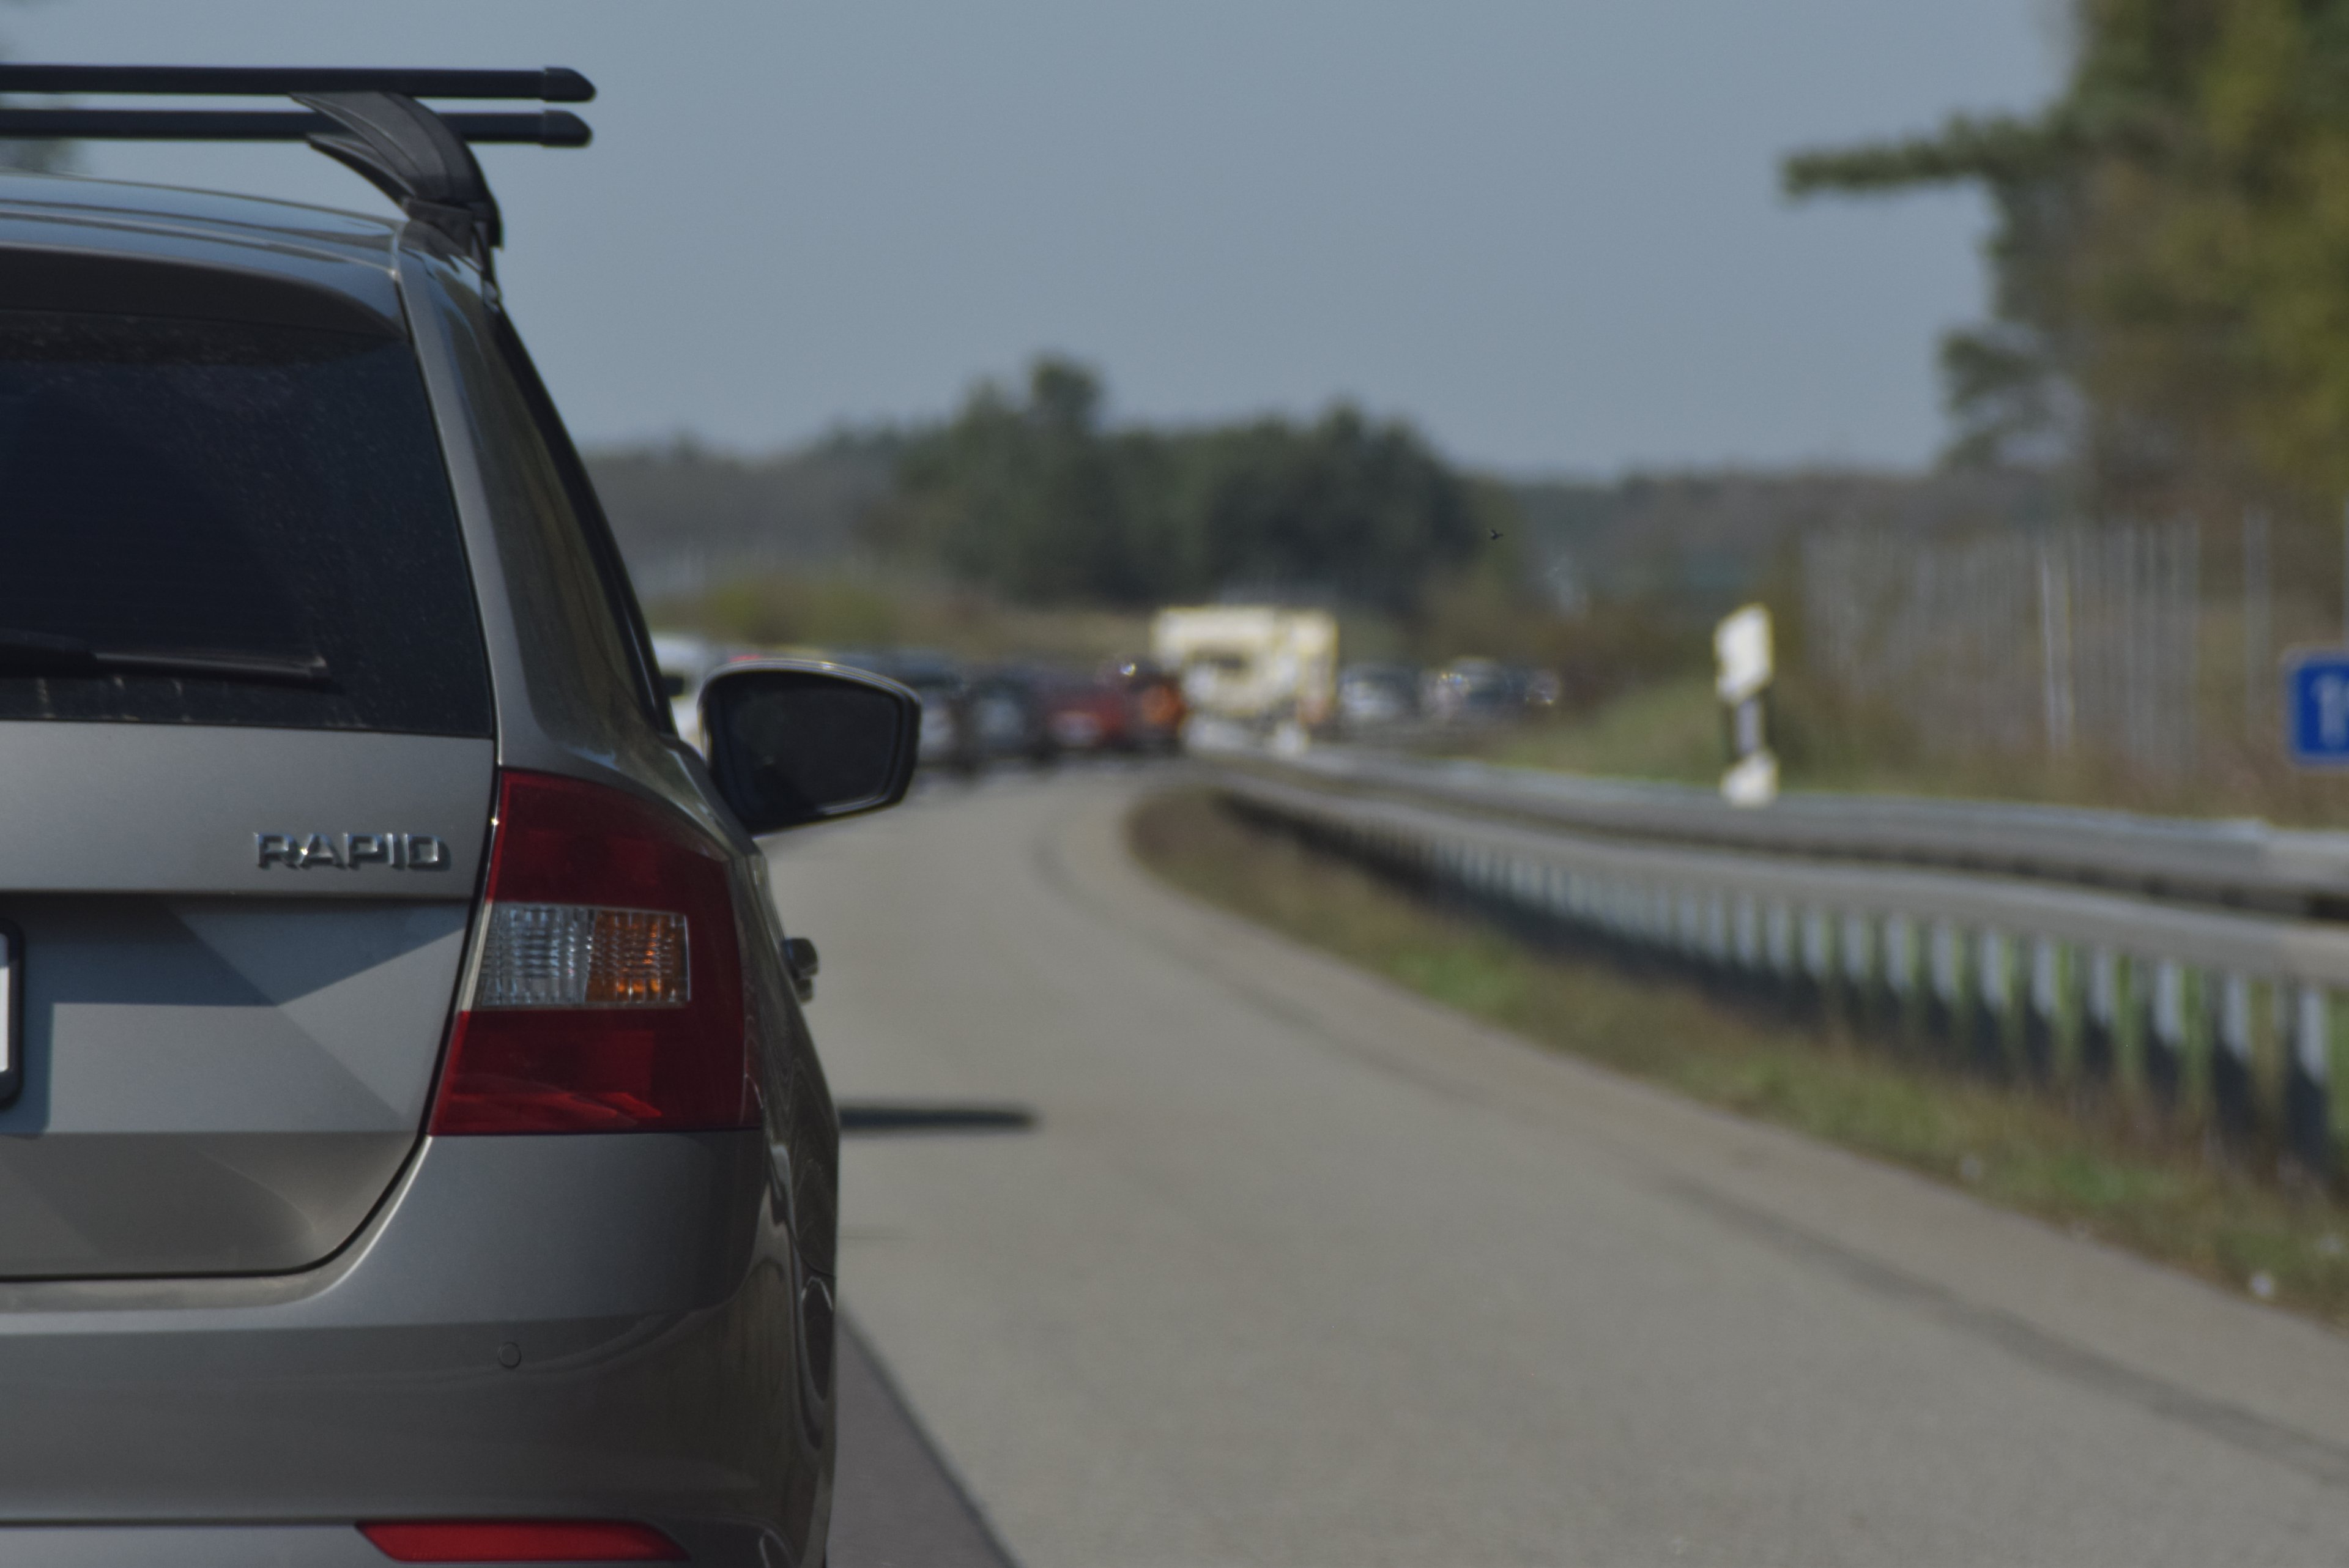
411,1147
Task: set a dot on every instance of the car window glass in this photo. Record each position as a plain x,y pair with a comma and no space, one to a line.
587,682
230,492
592,531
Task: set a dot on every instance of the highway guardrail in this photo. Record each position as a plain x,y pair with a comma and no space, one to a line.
2019,955
2235,863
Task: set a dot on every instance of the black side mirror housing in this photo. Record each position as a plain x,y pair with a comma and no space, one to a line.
796,741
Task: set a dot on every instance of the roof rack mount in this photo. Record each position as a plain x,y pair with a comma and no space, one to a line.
368,119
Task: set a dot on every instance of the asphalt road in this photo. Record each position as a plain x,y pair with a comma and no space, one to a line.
895,1502
1293,1268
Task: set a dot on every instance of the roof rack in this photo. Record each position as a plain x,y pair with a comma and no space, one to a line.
368,119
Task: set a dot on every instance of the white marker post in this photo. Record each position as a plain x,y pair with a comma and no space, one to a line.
1742,645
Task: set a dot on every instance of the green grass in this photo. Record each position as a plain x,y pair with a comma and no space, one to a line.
2089,1166
1671,730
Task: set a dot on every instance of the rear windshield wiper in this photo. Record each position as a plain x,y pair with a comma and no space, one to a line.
38,653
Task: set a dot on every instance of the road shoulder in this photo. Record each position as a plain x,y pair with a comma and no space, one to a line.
2267,1381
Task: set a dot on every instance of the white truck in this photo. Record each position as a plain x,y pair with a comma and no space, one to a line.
1257,665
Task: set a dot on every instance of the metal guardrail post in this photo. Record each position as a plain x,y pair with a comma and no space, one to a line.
1994,1034
1814,959
1898,961
2308,1082
1859,968
2106,1016
2234,1089
2043,1012
2166,1045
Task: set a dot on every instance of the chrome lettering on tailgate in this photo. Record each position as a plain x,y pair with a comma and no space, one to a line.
350,851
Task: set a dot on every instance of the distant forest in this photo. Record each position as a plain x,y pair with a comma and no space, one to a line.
1033,495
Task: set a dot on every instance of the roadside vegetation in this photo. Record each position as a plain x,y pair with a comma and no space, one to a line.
1671,730
848,608
2092,1166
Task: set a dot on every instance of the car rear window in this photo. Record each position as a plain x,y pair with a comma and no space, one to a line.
218,523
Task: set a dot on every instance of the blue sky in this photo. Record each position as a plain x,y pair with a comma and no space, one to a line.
1548,230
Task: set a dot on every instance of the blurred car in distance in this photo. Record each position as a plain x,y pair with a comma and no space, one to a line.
1154,708
1371,695
938,680
1469,690
1086,715
1008,712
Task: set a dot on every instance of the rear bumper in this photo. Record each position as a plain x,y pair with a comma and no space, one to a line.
642,1287
266,1546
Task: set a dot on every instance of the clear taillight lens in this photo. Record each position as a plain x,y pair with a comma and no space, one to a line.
576,955
608,996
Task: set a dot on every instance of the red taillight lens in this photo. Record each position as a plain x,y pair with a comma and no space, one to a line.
521,1541
609,994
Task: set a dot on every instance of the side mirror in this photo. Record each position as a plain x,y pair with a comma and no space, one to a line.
796,741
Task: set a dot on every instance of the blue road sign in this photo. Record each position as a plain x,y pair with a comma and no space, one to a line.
2317,707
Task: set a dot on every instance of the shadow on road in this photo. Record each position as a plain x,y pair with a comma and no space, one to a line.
872,1118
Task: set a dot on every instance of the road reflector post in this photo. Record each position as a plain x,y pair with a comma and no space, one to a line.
1742,649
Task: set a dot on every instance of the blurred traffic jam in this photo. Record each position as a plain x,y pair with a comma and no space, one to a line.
1216,677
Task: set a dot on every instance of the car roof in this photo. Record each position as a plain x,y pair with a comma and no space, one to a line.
350,252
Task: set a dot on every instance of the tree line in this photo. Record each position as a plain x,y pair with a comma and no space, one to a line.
2169,315
1031,494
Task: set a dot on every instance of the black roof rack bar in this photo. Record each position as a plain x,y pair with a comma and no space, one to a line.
549,128
368,119
555,84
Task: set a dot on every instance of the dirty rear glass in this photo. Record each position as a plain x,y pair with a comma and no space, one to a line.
237,496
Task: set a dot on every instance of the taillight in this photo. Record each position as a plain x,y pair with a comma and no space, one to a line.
608,996
521,1541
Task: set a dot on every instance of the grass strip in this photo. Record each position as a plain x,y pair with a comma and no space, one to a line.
2088,1165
